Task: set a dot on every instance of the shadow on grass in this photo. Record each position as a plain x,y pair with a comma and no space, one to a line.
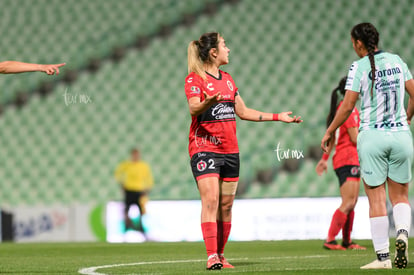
245,263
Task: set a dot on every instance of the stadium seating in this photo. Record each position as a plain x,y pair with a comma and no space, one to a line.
285,56
53,31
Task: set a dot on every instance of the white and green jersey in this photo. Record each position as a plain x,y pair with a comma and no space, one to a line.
385,110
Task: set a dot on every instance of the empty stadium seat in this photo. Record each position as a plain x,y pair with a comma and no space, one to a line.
285,56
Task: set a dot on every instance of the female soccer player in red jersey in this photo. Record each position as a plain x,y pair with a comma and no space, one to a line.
14,67
346,165
214,102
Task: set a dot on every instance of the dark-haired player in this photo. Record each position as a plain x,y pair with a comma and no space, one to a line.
346,165
385,146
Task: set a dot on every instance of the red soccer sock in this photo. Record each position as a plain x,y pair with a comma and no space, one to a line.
209,230
347,229
338,220
223,232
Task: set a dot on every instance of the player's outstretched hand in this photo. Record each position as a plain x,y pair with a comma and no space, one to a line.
210,100
321,167
285,117
326,140
50,69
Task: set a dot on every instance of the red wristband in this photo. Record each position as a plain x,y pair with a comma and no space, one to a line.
275,117
325,156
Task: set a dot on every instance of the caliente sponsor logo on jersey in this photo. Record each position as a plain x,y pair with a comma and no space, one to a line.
222,111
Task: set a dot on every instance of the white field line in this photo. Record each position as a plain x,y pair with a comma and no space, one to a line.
93,270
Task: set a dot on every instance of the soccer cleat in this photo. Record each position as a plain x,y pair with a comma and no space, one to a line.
333,245
353,246
224,262
377,264
401,251
213,262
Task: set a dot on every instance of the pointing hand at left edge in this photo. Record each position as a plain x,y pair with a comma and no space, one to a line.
50,69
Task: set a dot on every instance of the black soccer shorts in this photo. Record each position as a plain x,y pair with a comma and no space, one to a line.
348,172
224,166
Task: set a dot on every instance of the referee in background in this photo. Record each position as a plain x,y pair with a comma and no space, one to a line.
136,180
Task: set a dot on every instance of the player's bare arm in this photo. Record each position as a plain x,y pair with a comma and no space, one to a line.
246,113
409,86
14,67
197,107
322,165
341,116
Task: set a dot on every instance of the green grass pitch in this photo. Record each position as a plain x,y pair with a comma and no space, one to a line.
258,257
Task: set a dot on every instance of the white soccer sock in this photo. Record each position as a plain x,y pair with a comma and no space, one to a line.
379,232
402,217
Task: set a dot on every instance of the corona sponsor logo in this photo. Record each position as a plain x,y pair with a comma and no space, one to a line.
385,72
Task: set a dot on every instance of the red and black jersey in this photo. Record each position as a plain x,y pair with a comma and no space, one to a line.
346,152
215,129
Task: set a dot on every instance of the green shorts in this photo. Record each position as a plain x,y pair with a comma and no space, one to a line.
385,154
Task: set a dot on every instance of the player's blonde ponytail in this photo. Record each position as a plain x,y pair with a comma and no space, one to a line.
199,53
195,64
